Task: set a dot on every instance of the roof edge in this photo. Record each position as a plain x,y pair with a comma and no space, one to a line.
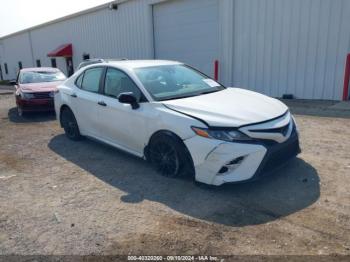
60,19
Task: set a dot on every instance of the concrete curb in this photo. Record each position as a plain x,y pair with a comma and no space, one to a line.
6,92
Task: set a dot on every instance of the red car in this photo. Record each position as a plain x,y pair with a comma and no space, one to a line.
35,89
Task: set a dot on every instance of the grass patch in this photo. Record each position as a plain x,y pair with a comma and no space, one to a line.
5,82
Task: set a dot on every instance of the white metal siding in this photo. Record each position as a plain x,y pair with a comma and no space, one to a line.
124,33
270,46
188,31
15,49
291,46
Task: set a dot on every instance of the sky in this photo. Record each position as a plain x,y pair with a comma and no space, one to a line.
16,15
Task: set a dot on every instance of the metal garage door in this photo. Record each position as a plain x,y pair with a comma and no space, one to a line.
187,31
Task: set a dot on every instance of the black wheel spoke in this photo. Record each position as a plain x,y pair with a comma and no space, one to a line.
165,159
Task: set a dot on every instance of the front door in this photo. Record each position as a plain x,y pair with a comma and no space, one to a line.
119,123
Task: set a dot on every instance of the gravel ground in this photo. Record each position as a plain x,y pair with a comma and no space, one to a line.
6,90
63,197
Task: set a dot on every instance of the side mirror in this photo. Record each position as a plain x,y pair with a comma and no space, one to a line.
13,82
129,98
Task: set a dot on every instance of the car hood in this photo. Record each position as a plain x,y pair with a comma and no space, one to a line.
232,107
40,87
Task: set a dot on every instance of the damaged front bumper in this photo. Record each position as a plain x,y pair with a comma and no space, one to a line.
217,162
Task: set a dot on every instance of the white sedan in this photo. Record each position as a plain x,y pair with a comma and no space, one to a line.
179,119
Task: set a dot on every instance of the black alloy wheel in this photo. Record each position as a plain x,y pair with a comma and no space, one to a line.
70,124
166,159
169,156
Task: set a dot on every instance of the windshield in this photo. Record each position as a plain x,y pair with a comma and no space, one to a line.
175,81
40,77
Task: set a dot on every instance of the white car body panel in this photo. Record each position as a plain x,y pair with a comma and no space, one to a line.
121,126
232,107
211,155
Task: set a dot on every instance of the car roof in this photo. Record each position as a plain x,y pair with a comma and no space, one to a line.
40,69
132,64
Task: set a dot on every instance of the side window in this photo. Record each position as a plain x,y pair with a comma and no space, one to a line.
79,80
117,82
91,80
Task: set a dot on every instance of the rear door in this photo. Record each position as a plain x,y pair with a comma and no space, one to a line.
86,100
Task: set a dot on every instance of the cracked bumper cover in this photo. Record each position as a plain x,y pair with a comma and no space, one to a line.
260,159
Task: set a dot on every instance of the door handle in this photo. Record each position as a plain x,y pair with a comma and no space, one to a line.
74,95
101,103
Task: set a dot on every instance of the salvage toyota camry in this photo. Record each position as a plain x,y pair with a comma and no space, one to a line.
179,119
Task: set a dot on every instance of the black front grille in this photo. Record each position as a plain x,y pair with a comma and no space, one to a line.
42,95
282,130
278,154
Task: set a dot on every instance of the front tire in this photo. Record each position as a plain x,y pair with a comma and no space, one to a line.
170,156
70,125
20,111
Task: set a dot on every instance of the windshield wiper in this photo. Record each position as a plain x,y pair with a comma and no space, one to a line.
178,97
193,95
209,92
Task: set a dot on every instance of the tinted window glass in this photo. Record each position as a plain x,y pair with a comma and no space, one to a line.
91,80
79,80
175,81
117,82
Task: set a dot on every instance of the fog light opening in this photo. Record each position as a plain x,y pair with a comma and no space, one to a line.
236,161
223,170
232,165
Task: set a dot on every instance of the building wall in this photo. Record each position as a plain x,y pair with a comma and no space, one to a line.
274,47
104,33
291,46
126,32
13,50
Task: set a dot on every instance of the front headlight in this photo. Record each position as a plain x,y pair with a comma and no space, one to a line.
27,95
225,135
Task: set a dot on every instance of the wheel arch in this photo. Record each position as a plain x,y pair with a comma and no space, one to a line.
61,109
166,133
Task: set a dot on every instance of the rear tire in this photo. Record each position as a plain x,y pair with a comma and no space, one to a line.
70,125
170,156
